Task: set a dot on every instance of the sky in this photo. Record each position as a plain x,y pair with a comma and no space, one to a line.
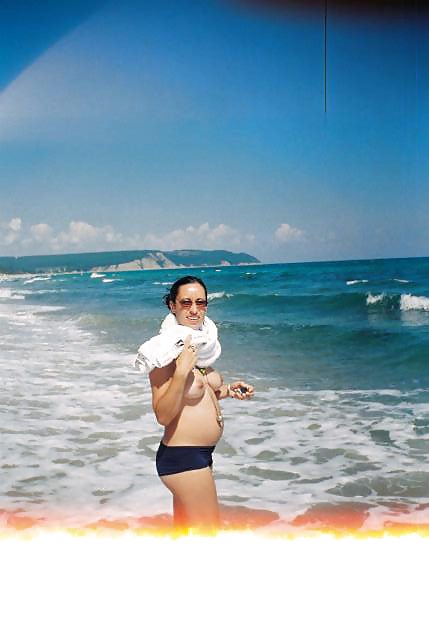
201,124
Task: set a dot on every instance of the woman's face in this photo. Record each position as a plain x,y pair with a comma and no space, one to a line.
190,305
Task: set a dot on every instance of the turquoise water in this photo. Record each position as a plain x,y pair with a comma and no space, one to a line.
337,352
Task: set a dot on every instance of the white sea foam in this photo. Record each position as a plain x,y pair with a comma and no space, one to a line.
44,291
68,399
108,280
47,309
37,279
219,294
349,282
375,299
414,303
11,295
97,275
14,276
295,448
398,280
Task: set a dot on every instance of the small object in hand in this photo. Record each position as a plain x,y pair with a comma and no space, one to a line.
242,389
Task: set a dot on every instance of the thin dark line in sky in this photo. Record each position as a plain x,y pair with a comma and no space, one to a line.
326,49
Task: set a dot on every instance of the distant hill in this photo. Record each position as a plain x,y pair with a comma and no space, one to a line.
123,261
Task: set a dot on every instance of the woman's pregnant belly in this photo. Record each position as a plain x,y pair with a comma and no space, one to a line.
196,423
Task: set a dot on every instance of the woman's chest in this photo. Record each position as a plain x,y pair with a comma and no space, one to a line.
198,380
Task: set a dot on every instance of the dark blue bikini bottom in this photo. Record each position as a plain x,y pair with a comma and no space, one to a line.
182,458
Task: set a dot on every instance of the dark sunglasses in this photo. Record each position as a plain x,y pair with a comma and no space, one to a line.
187,304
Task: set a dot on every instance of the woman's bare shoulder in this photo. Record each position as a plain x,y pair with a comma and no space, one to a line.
159,376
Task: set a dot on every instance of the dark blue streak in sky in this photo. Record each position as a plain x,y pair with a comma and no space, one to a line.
29,27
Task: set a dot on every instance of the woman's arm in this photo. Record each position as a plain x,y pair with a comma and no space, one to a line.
167,393
239,390
168,385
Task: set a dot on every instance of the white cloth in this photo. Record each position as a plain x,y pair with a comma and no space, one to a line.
166,346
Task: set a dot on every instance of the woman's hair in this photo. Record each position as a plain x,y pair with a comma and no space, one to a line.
172,294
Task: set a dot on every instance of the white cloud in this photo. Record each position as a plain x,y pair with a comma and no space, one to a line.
285,233
9,239
78,233
41,238
82,236
10,231
41,232
202,237
15,224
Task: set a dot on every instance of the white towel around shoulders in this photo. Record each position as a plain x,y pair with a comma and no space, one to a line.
166,346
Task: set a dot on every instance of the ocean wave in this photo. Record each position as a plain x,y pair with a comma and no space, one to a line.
97,275
10,277
47,309
404,301
10,295
352,302
39,292
349,282
37,279
28,315
219,294
108,280
380,297
414,303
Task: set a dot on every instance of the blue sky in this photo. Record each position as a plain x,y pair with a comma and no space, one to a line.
201,124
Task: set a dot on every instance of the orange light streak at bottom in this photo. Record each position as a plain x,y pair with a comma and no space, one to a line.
332,519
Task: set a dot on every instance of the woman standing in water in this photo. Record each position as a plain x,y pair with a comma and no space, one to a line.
185,399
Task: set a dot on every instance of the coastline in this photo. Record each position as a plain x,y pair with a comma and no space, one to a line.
147,266
123,261
117,269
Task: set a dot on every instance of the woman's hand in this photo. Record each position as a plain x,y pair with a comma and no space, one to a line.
187,358
240,390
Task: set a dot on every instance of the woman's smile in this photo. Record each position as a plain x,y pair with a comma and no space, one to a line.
190,305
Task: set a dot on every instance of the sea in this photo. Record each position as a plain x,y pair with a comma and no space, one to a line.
337,434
